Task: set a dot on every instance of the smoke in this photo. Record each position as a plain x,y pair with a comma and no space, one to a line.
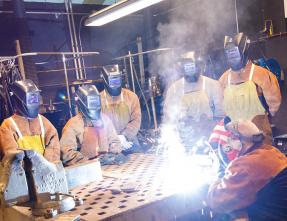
192,25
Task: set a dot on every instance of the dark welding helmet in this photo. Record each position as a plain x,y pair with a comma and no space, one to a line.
89,102
236,51
112,79
26,98
191,66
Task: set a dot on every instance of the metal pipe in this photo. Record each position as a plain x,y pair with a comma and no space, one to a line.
142,53
141,61
67,85
126,74
132,72
6,58
236,16
81,46
69,69
74,31
72,39
20,59
152,105
46,13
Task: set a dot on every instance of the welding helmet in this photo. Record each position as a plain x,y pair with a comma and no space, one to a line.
89,102
25,98
191,65
236,51
112,80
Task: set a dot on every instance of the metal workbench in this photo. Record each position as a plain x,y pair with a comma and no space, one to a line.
152,201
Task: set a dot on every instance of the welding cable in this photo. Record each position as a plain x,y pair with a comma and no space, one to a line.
143,96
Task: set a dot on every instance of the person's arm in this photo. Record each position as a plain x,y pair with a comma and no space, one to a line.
69,144
267,81
52,143
133,126
236,190
7,140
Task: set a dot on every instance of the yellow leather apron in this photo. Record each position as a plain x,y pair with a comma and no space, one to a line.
33,142
118,112
241,101
195,104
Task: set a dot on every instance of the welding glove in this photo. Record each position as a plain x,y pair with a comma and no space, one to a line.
125,143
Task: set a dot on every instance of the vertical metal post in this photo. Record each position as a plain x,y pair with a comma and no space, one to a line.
236,16
152,104
141,61
72,38
132,72
20,59
67,85
74,31
126,74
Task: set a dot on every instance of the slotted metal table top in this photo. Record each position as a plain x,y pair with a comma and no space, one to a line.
150,202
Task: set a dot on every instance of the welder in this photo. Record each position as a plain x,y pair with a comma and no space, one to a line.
89,133
122,106
194,101
27,129
254,182
244,82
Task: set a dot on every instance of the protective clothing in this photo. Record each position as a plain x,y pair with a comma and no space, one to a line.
236,51
112,79
125,144
35,142
241,100
124,111
89,101
255,180
30,134
82,141
25,98
201,98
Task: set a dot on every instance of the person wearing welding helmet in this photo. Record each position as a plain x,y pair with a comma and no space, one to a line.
194,97
122,106
27,129
254,181
89,133
244,82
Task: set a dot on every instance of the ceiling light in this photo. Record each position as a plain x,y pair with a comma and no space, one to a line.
118,10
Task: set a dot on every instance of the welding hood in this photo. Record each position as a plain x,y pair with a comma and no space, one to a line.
25,98
89,101
191,66
236,51
112,79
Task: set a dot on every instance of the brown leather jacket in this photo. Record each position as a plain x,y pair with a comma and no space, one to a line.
9,136
244,178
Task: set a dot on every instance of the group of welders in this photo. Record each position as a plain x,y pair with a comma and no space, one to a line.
252,180
107,122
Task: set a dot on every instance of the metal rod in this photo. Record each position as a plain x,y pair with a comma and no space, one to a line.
81,46
236,16
45,13
72,38
67,85
145,52
153,105
132,72
141,61
74,31
126,74
6,58
20,59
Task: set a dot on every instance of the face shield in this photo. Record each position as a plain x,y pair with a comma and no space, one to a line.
26,98
112,79
89,102
234,58
191,70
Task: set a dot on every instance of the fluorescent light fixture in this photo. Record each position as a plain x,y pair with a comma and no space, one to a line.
118,10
